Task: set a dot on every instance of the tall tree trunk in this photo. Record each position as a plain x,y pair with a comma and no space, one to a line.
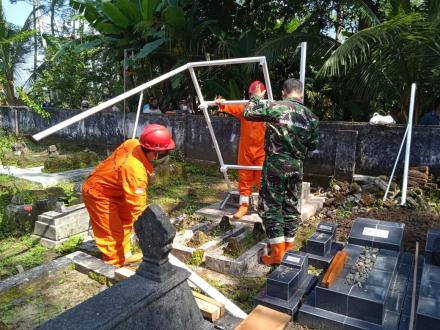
339,24
52,17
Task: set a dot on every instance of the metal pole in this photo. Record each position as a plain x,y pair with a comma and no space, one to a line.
228,61
226,102
395,165
408,144
267,80
211,130
141,97
302,70
107,104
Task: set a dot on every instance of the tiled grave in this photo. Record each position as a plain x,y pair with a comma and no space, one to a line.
321,247
184,252
310,204
247,263
378,303
287,284
428,305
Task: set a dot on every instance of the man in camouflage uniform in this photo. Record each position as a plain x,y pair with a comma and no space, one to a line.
291,131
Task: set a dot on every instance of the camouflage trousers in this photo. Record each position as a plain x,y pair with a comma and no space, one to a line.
280,195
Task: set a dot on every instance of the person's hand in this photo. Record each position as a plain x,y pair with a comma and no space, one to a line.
258,92
219,100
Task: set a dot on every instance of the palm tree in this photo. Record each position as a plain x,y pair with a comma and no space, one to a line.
13,48
380,62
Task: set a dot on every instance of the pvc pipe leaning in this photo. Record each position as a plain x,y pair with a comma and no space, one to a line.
106,104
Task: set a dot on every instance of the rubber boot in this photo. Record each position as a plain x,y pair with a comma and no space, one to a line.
288,246
276,254
242,211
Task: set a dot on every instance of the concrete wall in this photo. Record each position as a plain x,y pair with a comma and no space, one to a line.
366,149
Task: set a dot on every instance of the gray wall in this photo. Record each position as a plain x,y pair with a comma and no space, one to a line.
368,149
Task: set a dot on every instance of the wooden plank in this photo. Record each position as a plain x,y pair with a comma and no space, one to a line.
209,311
336,266
211,301
263,318
123,273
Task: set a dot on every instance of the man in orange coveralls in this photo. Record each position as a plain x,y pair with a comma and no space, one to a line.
250,149
115,193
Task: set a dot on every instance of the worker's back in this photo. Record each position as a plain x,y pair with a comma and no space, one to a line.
127,165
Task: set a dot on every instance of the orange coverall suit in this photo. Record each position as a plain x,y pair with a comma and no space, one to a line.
115,195
250,149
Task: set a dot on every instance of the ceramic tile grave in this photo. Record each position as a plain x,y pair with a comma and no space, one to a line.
321,247
287,284
378,303
428,305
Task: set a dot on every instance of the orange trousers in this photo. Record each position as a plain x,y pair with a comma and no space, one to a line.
111,225
248,178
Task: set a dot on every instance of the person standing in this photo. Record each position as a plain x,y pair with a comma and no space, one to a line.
432,117
250,149
291,131
115,193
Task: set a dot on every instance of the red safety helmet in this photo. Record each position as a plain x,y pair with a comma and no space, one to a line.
253,86
157,138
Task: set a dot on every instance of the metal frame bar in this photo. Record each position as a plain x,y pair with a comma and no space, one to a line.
302,66
408,144
141,97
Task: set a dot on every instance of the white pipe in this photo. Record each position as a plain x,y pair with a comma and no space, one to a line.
267,80
107,104
241,167
230,102
408,144
208,289
203,106
395,165
228,61
141,97
302,71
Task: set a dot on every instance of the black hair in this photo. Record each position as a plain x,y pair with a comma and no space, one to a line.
293,85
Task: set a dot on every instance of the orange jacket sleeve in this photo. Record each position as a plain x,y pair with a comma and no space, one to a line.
134,185
235,110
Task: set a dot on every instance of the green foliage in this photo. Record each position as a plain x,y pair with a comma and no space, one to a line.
31,104
69,246
196,258
70,162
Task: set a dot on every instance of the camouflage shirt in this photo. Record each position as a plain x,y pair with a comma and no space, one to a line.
291,128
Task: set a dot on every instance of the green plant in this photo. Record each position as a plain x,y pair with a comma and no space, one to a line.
24,97
196,258
69,246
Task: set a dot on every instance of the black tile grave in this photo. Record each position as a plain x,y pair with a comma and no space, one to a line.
379,303
287,284
428,305
321,247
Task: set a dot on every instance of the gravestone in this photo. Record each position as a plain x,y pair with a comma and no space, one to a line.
55,227
156,297
428,305
321,247
287,284
378,303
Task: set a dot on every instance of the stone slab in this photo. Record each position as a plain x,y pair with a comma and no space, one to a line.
49,243
56,218
86,263
246,264
68,228
36,272
291,305
376,233
322,262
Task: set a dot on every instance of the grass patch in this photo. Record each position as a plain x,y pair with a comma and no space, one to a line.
243,292
69,246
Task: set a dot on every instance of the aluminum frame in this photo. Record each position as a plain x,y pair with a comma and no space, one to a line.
261,60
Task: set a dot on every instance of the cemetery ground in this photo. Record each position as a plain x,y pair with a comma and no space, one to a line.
180,188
